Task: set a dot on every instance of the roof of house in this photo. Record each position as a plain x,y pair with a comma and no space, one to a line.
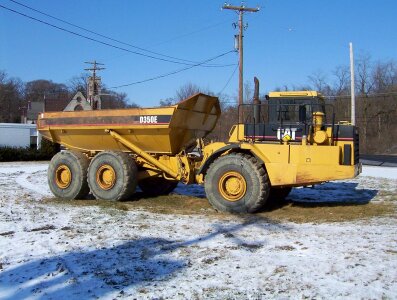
57,103
60,102
79,102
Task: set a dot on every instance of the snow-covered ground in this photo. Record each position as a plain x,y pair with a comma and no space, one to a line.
55,251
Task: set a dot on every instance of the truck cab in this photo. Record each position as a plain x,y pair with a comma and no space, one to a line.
284,115
294,107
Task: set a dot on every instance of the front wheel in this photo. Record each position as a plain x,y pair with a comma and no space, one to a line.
237,183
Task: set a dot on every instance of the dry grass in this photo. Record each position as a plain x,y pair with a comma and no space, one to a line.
293,212
330,212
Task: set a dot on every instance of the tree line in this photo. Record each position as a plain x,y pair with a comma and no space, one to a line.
376,99
15,95
376,102
371,78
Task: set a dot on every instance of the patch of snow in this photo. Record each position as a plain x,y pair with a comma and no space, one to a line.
58,251
380,172
32,179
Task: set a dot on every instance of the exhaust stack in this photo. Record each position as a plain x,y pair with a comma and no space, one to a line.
257,102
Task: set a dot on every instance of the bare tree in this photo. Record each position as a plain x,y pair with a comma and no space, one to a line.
248,92
187,90
3,76
384,77
11,99
394,76
79,83
302,87
114,100
284,88
36,90
166,102
364,82
342,84
319,82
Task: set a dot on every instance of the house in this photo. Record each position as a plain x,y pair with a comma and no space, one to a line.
33,111
19,135
79,102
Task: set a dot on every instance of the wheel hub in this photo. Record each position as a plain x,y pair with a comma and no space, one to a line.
106,177
63,176
232,186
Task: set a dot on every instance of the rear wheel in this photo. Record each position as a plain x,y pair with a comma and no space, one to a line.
67,175
156,186
112,175
237,183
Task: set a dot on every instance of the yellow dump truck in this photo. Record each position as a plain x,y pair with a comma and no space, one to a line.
281,144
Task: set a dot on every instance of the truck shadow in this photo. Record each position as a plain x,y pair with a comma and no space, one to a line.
334,192
92,273
98,272
329,194
326,194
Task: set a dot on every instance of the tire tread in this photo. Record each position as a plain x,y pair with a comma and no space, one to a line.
129,170
75,159
260,175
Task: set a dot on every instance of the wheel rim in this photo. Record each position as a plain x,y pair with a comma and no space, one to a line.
232,186
106,177
63,176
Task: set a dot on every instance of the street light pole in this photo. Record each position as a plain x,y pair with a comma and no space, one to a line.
352,93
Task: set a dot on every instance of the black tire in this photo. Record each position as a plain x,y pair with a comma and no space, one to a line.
112,175
237,183
67,175
157,186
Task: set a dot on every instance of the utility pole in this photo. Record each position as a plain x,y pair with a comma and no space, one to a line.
240,10
353,100
94,83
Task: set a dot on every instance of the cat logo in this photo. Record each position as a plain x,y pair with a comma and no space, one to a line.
286,134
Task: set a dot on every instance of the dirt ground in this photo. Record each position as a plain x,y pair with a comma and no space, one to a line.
329,202
300,212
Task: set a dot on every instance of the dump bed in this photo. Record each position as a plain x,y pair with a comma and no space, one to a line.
165,130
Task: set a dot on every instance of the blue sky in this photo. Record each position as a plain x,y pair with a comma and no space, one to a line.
285,41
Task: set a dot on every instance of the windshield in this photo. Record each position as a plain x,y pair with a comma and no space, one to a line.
294,110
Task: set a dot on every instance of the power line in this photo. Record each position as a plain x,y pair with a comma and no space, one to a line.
230,78
190,33
89,38
95,40
171,73
174,59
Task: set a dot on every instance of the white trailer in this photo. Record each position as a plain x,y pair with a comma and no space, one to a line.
19,135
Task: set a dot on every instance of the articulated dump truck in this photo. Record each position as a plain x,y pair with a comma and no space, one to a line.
280,144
